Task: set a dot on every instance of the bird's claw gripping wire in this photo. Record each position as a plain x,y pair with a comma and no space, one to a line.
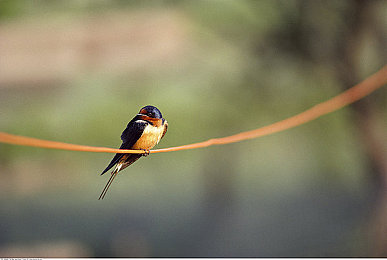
146,152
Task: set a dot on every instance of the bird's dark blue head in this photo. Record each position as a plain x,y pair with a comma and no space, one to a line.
151,111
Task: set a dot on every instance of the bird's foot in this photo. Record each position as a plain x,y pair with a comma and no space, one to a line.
147,152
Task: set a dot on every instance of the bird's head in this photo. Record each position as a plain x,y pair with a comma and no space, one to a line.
151,112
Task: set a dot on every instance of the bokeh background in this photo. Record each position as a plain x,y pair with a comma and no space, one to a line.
78,71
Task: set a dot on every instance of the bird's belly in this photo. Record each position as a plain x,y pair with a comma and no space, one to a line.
149,138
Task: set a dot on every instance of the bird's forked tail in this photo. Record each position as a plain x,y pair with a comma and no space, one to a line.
104,191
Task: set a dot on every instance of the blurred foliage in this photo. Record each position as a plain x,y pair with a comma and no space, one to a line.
240,65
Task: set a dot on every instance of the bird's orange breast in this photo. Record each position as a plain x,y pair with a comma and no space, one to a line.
149,138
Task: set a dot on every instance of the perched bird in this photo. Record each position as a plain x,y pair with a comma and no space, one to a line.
143,132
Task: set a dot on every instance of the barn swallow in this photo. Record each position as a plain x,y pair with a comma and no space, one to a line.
143,132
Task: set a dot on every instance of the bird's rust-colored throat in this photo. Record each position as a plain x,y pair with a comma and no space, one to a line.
157,122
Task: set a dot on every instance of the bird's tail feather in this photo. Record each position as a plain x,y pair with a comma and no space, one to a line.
122,164
104,191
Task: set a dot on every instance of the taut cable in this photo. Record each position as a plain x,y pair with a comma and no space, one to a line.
364,88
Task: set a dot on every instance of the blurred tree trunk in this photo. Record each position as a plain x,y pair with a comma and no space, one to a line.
365,112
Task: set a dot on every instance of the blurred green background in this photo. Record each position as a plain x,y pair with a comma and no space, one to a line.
78,71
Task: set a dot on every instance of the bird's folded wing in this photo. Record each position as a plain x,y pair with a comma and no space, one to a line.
129,137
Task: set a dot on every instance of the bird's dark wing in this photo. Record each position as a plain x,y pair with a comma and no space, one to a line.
129,137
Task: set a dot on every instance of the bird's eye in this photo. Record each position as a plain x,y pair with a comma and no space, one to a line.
150,114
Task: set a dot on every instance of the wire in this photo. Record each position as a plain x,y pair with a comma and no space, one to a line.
357,92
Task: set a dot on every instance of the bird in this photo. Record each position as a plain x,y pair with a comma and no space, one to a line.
143,132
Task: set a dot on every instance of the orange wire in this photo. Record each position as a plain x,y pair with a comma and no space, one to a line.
364,88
